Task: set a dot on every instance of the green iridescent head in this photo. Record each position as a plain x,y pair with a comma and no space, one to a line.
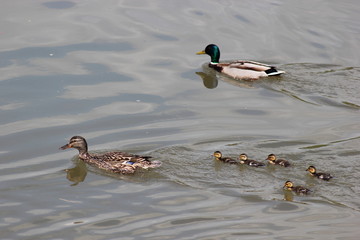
213,51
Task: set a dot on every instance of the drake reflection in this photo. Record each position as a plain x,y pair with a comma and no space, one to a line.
211,78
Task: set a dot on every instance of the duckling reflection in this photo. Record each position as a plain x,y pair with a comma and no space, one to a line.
211,79
77,174
288,195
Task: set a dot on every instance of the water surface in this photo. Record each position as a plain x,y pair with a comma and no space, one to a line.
124,75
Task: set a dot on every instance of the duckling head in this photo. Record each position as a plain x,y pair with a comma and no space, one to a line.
288,185
217,154
78,143
311,169
271,158
243,156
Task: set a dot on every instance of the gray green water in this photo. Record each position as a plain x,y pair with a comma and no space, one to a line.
124,75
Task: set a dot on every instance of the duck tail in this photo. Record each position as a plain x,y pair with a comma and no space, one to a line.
154,164
273,72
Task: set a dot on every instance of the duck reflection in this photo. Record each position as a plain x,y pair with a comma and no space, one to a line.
76,174
211,78
288,195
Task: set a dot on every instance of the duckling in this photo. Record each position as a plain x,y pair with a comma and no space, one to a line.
323,176
246,70
117,162
297,189
273,160
244,160
218,156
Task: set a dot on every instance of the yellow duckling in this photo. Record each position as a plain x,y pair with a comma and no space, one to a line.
244,160
273,160
323,176
218,156
246,70
297,189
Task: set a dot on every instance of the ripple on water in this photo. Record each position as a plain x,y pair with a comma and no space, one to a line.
127,80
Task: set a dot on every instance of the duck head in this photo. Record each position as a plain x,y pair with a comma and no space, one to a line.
78,143
213,51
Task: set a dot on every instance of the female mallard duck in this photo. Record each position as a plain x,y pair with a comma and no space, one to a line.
218,156
244,160
273,160
238,69
323,176
117,162
297,189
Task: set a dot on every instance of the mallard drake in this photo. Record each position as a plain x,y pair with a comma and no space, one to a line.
218,156
273,160
117,162
297,189
247,70
244,160
323,176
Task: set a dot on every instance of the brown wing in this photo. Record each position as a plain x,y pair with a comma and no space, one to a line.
112,165
120,157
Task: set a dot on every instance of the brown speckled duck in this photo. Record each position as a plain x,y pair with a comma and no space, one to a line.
245,160
246,70
297,189
117,162
218,156
274,161
323,176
